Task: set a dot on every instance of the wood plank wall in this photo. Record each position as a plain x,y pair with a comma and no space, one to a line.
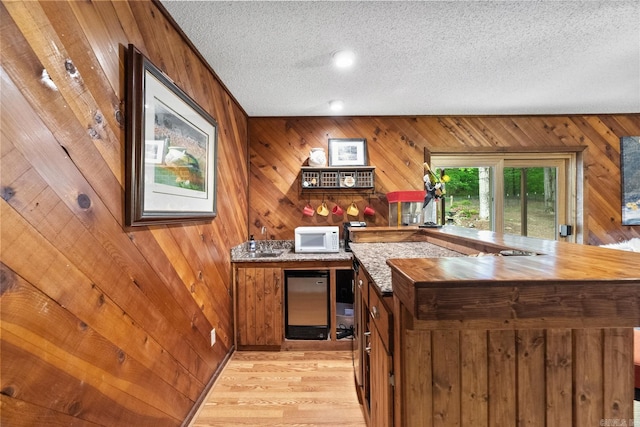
279,146
104,324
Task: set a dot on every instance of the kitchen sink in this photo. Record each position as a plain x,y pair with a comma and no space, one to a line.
516,252
267,254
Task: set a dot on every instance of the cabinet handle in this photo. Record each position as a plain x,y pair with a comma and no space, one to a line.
360,284
368,350
375,313
367,334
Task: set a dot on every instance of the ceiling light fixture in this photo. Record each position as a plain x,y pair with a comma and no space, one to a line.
336,105
344,58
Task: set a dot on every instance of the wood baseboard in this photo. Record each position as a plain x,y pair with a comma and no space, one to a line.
203,396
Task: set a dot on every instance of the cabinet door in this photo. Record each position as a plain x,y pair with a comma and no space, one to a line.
361,316
381,387
259,306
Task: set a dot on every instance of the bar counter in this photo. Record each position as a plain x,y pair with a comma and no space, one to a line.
544,339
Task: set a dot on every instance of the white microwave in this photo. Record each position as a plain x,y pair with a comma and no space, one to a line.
319,239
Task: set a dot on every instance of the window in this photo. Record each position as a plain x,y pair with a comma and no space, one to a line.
528,194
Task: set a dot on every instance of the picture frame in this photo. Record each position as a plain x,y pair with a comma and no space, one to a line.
630,179
170,149
347,152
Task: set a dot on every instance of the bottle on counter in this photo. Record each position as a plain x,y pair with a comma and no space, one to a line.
252,244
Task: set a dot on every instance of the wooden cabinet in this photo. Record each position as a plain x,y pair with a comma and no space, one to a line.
259,295
381,316
259,306
361,315
381,360
375,328
381,393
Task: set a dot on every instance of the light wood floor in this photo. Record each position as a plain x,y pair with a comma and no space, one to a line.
289,388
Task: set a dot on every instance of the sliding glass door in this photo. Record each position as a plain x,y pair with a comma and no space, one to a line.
522,194
533,199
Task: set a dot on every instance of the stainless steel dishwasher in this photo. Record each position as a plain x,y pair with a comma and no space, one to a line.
307,304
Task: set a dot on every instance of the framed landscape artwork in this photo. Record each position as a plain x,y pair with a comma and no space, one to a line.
630,173
347,152
170,150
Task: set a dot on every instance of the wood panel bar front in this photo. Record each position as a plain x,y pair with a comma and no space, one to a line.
537,377
512,354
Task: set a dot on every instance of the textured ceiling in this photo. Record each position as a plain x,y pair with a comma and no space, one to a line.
421,57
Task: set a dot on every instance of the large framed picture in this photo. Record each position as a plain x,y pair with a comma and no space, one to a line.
347,152
630,172
171,148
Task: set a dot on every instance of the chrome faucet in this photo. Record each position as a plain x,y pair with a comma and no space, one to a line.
267,244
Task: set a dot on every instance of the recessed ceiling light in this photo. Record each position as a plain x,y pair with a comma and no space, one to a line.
336,105
344,58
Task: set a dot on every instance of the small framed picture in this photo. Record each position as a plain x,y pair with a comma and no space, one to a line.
154,151
347,152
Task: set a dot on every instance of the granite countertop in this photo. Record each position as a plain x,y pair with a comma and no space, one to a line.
241,254
374,256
